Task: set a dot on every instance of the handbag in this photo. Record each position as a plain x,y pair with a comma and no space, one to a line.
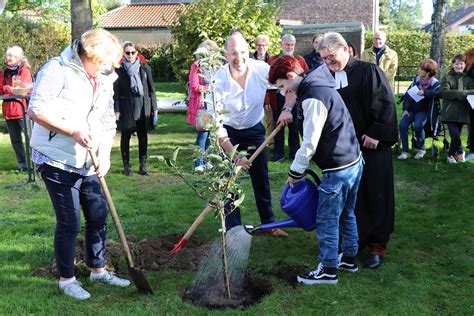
204,120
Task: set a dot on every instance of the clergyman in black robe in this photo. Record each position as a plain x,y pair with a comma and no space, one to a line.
368,96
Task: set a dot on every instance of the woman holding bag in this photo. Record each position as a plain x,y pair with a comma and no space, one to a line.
196,85
135,106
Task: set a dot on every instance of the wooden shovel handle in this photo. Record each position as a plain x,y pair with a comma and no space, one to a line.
113,212
209,208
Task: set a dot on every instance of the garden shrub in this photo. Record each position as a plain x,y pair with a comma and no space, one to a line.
159,58
413,46
40,41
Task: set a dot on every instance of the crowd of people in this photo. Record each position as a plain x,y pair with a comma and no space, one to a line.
339,103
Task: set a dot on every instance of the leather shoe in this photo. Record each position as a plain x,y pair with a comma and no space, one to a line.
277,232
373,261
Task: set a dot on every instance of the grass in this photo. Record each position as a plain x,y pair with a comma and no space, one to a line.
429,268
170,90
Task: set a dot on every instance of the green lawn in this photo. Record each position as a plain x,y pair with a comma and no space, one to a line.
429,268
170,90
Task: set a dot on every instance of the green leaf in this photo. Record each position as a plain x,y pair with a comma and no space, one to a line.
175,155
239,201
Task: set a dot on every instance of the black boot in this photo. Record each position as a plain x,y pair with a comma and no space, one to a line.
142,170
127,170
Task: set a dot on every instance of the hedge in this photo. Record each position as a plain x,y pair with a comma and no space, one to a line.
159,58
415,46
40,42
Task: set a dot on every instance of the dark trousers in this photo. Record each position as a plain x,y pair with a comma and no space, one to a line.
293,136
15,129
69,192
253,136
455,130
142,135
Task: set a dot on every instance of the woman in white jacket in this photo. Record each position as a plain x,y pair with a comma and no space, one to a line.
72,107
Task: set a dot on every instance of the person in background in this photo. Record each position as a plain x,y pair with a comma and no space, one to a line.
384,57
262,43
16,67
352,50
135,106
421,112
329,139
240,89
287,43
470,72
367,94
196,85
455,87
313,59
73,111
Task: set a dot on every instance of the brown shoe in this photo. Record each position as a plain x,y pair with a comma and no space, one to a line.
277,232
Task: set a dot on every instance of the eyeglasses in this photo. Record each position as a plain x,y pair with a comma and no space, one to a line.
329,57
131,53
261,45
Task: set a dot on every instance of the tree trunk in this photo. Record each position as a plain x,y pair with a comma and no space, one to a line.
439,21
81,17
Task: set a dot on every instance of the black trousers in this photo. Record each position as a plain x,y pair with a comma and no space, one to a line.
253,136
293,136
142,135
455,130
470,138
15,128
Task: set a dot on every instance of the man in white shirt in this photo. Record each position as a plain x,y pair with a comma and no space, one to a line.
240,87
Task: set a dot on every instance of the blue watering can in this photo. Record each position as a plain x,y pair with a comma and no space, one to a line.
299,202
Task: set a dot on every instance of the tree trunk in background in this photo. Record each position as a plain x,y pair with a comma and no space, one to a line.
439,21
81,17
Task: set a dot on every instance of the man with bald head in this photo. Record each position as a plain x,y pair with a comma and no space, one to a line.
240,89
384,57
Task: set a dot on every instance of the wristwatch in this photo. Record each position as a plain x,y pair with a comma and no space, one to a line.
285,109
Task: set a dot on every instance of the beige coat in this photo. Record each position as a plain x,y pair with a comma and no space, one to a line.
388,62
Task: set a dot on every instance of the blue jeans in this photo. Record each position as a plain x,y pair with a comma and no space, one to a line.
337,200
202,140
419,120
69,192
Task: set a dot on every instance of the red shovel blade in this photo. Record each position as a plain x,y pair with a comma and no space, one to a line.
177,248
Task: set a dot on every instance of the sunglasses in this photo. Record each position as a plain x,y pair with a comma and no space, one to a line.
131,53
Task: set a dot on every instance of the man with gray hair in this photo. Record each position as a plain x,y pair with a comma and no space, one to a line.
367,94
288,42
384,57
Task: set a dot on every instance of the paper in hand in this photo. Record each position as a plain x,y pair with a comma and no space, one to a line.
413,93
470,99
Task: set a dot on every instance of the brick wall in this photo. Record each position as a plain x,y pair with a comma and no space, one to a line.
329,11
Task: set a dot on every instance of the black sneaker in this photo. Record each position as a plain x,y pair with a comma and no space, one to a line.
347,263
321,275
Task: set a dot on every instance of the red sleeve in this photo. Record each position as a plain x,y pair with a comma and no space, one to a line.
195,82
4,89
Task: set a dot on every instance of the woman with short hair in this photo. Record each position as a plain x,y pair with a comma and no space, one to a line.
72,107
16,68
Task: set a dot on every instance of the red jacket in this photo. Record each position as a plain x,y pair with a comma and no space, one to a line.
195,87
12,110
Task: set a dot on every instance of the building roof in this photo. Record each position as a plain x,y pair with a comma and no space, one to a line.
142,16
460,16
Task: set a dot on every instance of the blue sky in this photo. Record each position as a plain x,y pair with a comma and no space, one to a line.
427,11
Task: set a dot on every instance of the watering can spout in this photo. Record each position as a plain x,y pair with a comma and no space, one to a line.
286,223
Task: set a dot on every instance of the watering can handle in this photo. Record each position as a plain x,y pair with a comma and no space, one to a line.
314,175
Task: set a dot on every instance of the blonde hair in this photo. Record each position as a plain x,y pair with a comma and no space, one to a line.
100,47
17,51
208,44
331,41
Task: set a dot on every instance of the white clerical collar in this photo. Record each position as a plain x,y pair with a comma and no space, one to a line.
341,79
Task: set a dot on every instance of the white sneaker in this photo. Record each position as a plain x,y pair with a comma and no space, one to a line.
209,165
420,154
470,157
451,159
403,155
75,290
199,168
109,278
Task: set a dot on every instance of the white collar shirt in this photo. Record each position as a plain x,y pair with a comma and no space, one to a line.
244,106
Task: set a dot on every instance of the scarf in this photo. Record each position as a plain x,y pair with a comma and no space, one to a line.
423,84
12,70
378,53
133,71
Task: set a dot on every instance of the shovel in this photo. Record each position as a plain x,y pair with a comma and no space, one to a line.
138,277
180,245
